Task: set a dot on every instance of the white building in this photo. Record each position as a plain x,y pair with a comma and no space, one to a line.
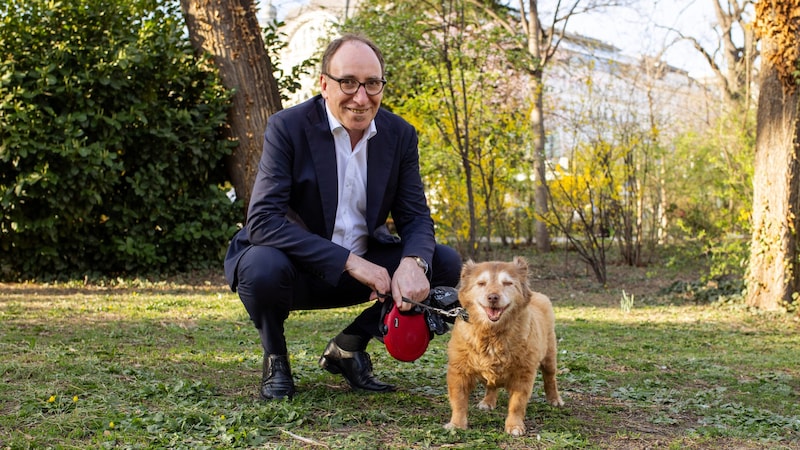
633,80
308,27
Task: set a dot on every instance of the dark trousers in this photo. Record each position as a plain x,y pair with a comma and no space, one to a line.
270,286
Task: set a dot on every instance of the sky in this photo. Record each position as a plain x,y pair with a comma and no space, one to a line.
652,27
640,31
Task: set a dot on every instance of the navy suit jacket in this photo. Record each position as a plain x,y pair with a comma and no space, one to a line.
294,198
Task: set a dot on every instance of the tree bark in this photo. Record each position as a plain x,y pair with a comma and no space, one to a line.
229,31
772,276
540,165
534,35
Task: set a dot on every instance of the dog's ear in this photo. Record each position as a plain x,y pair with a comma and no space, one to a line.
467,267
521,263
522,267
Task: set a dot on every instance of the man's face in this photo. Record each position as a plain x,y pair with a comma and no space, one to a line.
353,60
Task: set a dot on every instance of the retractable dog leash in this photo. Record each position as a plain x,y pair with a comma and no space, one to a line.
406,334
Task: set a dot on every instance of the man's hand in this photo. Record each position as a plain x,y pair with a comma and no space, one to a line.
368,274
411,282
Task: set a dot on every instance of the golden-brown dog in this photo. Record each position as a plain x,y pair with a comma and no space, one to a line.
510,334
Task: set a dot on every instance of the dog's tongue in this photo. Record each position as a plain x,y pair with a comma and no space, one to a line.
494,313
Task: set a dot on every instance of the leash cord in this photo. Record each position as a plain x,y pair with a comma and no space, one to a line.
455,312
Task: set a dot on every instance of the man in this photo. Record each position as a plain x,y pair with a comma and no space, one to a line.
332,171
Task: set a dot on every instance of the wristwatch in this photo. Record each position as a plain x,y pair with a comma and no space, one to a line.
421,263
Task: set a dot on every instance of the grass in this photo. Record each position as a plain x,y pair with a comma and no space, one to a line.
175,364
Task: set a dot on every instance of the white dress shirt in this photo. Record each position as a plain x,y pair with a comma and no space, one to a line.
350,228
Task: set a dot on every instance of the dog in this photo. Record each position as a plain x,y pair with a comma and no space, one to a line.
510,334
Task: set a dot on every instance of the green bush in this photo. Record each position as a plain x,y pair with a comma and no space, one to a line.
110,142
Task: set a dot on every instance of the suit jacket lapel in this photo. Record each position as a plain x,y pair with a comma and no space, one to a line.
323,156
380,157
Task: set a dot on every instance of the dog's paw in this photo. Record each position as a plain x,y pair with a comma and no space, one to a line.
485,406
515,430
453,426
556,401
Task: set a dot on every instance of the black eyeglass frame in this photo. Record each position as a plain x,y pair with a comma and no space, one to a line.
339,81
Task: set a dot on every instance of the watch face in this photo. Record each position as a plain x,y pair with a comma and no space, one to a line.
421,262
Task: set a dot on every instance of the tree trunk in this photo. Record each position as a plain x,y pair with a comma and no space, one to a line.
537,126
772,276
539,166
229,31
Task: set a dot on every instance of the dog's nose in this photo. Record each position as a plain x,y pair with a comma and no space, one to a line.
493,298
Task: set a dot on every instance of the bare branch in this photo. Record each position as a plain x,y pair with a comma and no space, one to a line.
712,64
304,439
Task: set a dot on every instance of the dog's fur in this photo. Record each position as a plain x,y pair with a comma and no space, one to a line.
509,335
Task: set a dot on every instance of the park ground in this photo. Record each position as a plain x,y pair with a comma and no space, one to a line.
656,358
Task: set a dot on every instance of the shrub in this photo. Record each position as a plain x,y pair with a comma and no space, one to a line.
110,142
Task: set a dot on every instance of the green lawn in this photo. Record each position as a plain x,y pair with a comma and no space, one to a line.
173,365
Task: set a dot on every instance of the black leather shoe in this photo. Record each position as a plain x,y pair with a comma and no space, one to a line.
355,367
276,380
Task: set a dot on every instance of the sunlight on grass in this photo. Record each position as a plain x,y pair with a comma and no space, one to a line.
164,366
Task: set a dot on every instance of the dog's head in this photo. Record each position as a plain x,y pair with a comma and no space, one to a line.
493,290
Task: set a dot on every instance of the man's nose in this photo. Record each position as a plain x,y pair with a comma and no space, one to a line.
361,93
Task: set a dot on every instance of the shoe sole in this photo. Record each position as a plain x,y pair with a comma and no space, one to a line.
285,397
332,368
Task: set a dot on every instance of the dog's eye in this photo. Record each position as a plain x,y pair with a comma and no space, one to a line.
508,283
481,283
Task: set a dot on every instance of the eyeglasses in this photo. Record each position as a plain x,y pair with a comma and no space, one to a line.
350,86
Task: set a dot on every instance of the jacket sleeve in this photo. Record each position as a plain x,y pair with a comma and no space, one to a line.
285,179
